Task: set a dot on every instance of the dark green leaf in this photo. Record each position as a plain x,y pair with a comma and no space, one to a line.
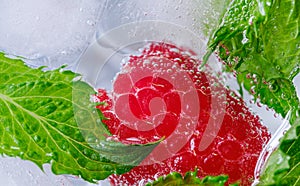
260,41
48,117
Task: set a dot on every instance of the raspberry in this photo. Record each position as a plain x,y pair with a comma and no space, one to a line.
154,96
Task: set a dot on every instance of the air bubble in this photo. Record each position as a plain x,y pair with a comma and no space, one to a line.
271,100
252,90
277,66
241,116
248,76
90,22
284,96
85,152
258,104
192,144
294,34
175,50
273,86
65,145
146,62
174,66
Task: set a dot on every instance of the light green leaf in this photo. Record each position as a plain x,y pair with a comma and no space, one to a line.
283,167
48,117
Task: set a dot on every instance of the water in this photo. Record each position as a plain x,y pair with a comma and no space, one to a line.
54,33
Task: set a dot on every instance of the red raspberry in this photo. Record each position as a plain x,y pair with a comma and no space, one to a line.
153,96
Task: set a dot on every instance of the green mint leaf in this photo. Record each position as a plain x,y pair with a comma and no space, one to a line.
190,178
260,40
48,117
283,167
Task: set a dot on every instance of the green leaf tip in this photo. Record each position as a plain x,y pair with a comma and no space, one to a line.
190,178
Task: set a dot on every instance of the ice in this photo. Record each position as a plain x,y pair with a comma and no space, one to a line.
49,32
125,26
28,174
188,14
198,16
